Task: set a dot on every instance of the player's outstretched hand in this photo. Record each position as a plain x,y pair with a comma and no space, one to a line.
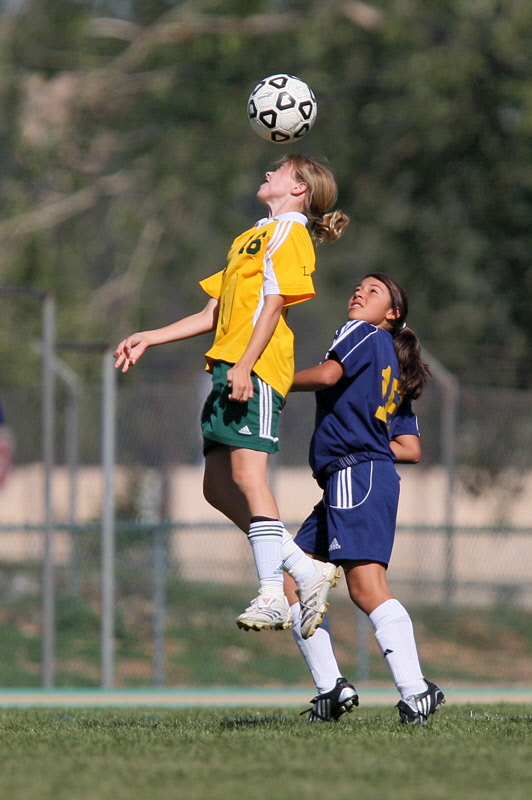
130,350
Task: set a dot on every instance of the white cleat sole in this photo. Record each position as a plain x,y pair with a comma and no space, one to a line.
332,579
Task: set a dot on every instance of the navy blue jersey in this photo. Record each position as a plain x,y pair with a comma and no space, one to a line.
404,421
359,414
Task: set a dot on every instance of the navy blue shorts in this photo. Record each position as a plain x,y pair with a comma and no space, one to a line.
356,518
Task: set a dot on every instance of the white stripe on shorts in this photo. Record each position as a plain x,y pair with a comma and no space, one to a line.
265,411
344,489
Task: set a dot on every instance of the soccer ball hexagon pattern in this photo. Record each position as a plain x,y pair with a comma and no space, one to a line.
282,108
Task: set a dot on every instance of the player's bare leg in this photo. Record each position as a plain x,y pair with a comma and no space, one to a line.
270,609
220,490
236,482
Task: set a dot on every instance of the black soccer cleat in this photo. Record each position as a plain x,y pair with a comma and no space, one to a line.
329,706
416,710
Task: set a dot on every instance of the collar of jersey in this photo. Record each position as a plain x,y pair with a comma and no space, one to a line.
294,216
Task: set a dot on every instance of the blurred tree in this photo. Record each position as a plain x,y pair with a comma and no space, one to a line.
128,164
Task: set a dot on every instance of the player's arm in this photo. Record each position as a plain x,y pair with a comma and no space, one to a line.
328,373
406,448
131,349
239,376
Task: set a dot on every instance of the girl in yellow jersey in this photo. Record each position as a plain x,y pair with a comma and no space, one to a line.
269,267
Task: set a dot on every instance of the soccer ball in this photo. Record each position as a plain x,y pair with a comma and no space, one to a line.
282,108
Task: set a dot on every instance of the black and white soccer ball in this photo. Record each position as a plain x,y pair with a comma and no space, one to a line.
282,108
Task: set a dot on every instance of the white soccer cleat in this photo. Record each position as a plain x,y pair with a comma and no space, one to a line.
313,596
266,613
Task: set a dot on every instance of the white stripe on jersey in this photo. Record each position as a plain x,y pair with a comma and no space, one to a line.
260,305
282,230
270,284
265,411
344,489
347,329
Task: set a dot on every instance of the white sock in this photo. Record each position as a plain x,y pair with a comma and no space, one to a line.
395,635
266,539
295,561
317,652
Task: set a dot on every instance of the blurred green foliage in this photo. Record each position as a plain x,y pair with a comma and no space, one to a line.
128,165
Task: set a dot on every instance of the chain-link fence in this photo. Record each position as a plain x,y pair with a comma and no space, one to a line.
462,561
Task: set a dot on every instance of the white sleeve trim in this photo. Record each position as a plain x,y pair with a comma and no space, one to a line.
270,284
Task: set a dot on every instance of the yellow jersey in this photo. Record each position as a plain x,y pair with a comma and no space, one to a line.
274,257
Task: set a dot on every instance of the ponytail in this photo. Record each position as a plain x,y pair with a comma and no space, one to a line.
414,372
329,227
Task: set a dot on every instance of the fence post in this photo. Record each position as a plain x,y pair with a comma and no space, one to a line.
449,435
108,520
72,383
160,560
47,300
152,513
48,450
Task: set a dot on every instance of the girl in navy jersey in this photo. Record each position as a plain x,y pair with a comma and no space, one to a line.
364,423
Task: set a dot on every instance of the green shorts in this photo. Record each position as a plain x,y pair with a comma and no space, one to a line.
252,425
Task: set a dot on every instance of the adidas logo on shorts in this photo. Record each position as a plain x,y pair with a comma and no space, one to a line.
246,431
334,545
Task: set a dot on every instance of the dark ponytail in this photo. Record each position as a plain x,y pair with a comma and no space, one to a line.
414,372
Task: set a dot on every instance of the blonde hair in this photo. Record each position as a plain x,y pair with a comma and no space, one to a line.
321,194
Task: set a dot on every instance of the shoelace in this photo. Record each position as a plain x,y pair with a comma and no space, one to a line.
308,608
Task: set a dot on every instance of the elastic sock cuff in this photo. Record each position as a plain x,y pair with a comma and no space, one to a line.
389,611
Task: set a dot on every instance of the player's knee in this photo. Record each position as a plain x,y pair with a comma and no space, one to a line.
356,596
361,595
244,479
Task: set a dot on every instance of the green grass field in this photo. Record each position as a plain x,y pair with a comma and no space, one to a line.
465,753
